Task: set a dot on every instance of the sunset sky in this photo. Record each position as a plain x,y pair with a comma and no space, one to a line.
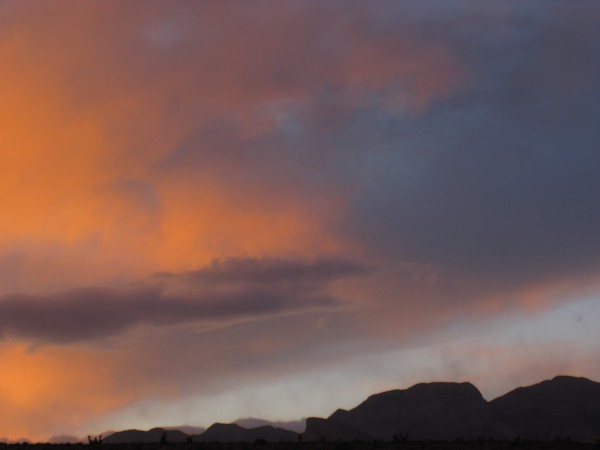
212,210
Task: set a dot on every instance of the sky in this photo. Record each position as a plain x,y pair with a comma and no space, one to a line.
275,208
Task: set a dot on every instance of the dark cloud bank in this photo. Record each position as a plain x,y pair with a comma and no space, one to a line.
499,180
223,291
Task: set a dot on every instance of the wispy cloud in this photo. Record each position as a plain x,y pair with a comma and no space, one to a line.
224,291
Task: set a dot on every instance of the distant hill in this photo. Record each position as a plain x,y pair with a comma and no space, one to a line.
4,440
187,429
564,407
64,439
231,432
218,432
146,437
293,425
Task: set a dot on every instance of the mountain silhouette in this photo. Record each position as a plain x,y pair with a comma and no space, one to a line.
564,407
231,432
330,430
187,429
251,422
424,411
153,436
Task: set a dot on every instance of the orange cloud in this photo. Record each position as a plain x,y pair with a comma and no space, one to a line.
56,389
95,97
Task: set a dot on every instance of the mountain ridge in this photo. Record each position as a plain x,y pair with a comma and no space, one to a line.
564,407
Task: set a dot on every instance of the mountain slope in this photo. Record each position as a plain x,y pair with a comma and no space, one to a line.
317,429
562,407
424,411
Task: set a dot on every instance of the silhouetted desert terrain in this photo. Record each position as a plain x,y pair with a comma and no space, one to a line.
566,408
560,413
327,445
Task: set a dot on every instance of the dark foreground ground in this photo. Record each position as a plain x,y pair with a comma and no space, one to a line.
323,445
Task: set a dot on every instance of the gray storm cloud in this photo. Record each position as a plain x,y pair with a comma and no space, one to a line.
267,287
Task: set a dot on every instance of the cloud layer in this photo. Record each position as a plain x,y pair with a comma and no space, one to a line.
225,291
